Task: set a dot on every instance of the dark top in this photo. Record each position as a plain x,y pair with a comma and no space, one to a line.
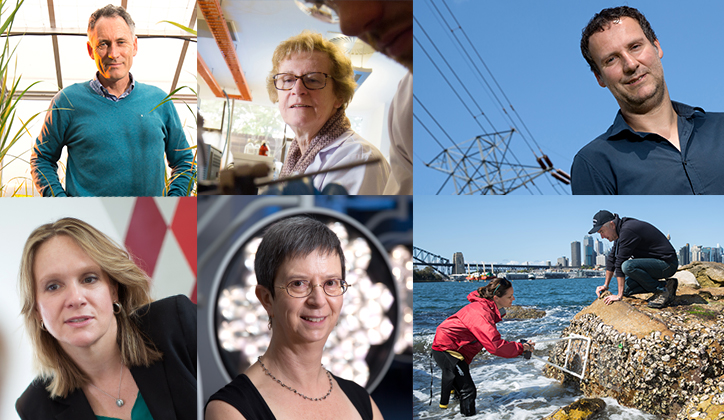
622,161
243,395
638,239
168,386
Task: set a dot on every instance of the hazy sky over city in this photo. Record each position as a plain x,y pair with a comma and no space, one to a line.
540,228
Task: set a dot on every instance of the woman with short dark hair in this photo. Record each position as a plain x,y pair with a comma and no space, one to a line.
301,281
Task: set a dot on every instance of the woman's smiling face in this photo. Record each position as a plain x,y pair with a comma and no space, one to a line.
311,318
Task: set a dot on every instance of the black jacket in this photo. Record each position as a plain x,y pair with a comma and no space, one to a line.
637,239
167,386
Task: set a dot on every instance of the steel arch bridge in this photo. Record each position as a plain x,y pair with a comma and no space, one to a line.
440,264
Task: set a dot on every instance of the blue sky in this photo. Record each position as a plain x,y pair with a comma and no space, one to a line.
532,49
540,228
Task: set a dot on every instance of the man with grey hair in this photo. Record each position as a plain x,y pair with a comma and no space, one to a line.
642,259
115,131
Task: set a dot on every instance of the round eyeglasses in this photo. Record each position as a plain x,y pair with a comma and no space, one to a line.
303,288
312,81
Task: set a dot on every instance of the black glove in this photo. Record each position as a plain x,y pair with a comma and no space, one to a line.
526,353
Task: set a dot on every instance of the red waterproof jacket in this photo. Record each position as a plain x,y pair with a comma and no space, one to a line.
472,328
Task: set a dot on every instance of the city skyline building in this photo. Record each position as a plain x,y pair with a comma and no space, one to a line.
589,256
706,253
458,263
717,254
575,254
594,248
684,255
601,259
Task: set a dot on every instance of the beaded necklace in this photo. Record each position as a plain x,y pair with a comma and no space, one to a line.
329,376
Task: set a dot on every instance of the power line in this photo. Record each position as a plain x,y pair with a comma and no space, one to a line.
489,72
454,74
444,76
518,170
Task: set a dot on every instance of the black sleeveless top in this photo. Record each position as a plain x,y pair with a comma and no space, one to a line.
243,395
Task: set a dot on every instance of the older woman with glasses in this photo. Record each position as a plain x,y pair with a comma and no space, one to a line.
313,82
300,271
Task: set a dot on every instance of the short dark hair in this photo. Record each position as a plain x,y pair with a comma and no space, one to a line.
601,20
293,237
111,11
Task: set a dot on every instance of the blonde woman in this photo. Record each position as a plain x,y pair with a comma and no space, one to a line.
103,348
313,82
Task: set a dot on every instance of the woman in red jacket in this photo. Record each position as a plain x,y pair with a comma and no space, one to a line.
460,337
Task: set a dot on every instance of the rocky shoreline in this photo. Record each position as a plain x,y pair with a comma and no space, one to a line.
668,362
516,312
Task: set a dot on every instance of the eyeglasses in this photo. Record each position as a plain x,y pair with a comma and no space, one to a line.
303,288
312,81
323,10
102,47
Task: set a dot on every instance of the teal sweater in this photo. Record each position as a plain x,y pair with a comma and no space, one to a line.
114,148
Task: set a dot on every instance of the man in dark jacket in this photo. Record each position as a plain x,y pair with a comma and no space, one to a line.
640,257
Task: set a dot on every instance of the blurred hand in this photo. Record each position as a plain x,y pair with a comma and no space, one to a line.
611,298
529,346
600,289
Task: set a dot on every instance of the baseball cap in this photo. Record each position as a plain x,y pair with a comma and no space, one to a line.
600,219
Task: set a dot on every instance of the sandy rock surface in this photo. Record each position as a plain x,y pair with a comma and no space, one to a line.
668,362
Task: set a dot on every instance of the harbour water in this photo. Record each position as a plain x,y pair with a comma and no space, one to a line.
507,388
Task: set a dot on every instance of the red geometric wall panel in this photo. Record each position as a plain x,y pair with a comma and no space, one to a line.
181,226
145,234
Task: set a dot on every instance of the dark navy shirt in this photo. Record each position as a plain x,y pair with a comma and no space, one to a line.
638,239
623,161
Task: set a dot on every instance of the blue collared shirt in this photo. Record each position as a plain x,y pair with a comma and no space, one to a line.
98,88
623,161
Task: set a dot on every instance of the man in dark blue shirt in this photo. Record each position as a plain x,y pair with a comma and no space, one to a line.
641,255
655,146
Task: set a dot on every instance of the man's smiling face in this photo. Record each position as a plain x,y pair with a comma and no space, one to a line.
112,45
629,65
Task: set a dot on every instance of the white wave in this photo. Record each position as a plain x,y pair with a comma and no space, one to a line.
511,389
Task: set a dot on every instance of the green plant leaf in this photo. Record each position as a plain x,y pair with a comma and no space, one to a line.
178,25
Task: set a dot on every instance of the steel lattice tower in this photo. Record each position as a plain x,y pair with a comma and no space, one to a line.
482,165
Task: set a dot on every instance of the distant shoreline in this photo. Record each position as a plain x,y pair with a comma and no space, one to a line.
480,281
